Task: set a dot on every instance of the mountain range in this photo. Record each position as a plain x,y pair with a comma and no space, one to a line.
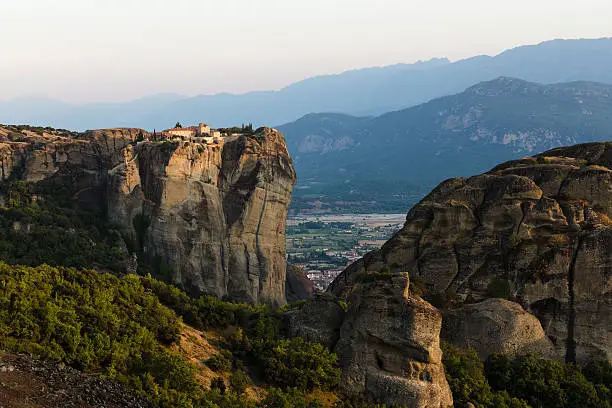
386,162
371,91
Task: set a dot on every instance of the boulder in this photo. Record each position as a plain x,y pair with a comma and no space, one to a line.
496,326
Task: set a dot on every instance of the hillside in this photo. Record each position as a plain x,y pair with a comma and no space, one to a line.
398,156
84,324
370,91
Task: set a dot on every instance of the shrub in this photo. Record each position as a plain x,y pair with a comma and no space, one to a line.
600,374
295,305
499,288
95,322
290,398
239,381
219,384
301,364
202,313
344,305
525,381
220,362
465,376
53,232
543,383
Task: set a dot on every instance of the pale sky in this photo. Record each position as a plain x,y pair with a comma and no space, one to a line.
113,50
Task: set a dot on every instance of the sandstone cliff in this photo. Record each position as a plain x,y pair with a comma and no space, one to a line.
388,341
537,230
389,346
212,215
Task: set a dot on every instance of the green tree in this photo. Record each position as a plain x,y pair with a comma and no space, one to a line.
239,381
543,383
466,378
290,398
301,364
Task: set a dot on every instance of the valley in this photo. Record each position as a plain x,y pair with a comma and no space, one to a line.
387,163
323,245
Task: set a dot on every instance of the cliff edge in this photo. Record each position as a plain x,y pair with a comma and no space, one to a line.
537,231
209,216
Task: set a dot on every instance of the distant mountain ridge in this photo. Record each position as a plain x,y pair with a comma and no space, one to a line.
459,134
370,91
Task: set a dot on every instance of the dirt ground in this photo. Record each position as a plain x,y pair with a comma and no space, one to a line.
30,383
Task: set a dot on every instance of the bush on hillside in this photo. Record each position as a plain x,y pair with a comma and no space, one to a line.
545,383
290,398
220,362
239,381
94,322
38,227
300,364
526,381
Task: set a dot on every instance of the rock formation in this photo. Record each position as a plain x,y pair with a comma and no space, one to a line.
389,347
213,215
388,342
318,320
537,230
496,326
297,284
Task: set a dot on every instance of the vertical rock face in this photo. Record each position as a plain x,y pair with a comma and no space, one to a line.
297,284
388,342
539,228
216,212
389,346
213,216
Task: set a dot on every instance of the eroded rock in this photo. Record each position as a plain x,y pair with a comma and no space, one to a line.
297,284
389,346
496,326
541,224
213,215
318,320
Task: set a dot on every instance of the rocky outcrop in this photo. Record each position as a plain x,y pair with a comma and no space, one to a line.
297,284
388,341
540,227
389,346
496,326
211,217
318,320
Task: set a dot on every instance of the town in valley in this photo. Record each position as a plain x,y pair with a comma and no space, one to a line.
323,245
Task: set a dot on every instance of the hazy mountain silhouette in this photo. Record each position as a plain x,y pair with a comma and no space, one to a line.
370,91
457,135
